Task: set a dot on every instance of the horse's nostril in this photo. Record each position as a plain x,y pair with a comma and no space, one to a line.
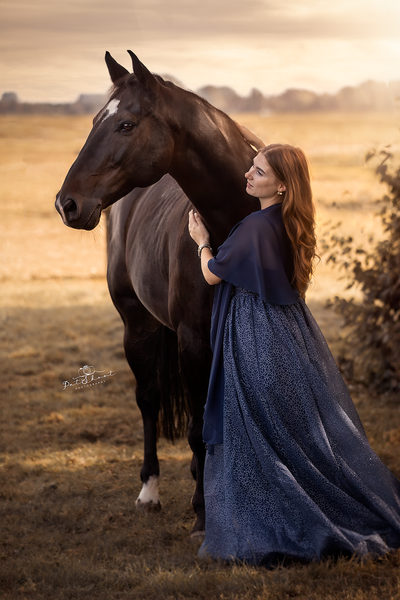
70,206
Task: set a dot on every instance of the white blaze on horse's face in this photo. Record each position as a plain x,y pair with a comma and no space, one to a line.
111,109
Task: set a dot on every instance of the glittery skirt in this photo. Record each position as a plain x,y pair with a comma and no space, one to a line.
295,476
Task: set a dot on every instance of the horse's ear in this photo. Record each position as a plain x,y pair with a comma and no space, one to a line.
145,78
116,70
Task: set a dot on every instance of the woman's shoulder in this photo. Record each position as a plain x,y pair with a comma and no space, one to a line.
268,227
260,218
258,221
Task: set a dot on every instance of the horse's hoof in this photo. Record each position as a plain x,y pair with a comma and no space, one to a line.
197,536
148,507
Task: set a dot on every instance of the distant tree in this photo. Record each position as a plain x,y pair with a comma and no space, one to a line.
372,326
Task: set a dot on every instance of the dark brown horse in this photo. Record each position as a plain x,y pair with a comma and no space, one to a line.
153,133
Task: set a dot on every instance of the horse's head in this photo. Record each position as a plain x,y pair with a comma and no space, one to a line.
129,146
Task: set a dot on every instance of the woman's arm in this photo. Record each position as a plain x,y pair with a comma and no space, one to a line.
250,137
200,235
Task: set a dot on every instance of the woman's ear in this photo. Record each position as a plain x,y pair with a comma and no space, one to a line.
282,187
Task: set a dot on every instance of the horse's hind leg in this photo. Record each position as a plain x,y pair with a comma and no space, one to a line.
196,361
196,443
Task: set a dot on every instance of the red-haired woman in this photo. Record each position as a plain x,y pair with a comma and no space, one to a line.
289,470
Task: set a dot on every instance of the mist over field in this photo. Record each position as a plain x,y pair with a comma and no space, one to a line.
370,96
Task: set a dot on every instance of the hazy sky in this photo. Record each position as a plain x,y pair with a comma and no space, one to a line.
53,50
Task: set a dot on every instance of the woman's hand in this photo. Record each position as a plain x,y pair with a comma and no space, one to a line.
200,235
197,229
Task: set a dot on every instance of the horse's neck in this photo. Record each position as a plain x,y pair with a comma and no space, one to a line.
209,163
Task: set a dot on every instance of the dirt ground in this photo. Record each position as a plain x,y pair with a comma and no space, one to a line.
71,457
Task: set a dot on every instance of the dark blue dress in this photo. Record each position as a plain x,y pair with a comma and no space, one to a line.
289,470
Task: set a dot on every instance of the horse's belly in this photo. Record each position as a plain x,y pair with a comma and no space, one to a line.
155,232
152,290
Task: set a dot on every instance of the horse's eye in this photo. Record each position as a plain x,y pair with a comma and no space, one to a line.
127,126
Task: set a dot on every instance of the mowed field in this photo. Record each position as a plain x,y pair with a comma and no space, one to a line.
71,457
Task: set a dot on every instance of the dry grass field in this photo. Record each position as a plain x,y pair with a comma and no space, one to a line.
71,457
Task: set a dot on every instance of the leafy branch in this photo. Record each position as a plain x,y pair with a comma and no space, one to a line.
373,324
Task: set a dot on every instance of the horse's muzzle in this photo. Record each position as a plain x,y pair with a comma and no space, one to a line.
68,209
72,216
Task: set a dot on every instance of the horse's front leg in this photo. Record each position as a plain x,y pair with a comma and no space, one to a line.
148,401
141,353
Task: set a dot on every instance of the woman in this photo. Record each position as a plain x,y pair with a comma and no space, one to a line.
289,470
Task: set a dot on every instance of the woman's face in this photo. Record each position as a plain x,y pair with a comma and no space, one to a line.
261,180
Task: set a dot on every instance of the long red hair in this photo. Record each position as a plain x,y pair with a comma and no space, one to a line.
291,168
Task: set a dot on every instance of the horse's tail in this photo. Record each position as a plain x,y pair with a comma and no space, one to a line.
174,410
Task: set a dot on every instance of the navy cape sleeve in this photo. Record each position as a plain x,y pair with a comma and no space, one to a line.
255,256
213,411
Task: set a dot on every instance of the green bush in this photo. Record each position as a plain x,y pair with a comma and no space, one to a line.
372,326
